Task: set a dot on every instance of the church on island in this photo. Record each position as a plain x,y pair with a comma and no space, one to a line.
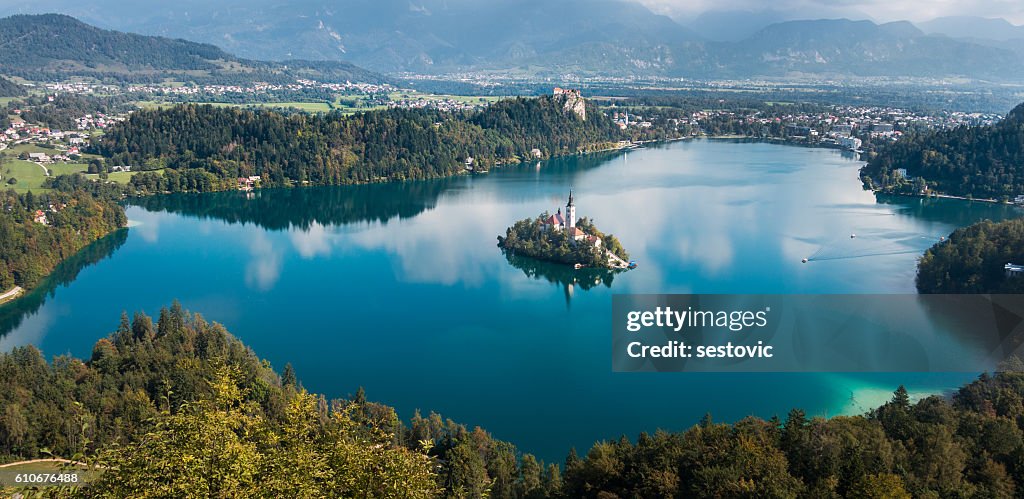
567,223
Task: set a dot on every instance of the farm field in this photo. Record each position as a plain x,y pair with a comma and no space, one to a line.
119,177
28,175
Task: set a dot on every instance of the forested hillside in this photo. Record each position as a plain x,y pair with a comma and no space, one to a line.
54,46
39,231
972,260
179,407
967,446
10,89
207,148
983,162
47,41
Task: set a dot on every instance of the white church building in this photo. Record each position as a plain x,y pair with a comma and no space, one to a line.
567,223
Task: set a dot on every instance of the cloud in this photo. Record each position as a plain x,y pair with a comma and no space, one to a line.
877,10
264,267
312,242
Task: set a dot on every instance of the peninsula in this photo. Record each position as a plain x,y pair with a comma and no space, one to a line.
562,238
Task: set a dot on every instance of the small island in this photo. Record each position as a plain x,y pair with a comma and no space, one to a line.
565,239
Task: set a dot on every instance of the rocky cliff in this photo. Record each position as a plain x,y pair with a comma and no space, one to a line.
573,102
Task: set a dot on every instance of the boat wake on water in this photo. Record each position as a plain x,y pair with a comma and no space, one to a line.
865,246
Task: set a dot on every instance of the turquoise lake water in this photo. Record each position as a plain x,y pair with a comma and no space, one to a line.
400,288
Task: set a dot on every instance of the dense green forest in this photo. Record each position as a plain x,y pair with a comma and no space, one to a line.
29,249
972,260
982,162
10,89
530,237
179,407
206,148
37,41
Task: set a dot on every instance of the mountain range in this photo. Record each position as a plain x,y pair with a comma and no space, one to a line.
983,31
556,37
52,45
973,27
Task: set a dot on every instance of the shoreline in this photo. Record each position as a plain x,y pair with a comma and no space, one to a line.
781,140
11,294
942,196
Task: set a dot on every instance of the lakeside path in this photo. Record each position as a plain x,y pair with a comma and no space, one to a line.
11,294
56,460
615,261
950,196
943,196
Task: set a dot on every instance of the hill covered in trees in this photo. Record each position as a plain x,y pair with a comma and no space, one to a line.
37,232
10,89
972,260
179,407
54,42
206,148
983,162
53,46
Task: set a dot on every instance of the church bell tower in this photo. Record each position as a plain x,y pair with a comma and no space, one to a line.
570,213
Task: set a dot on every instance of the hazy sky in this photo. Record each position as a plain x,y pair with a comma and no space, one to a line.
878,10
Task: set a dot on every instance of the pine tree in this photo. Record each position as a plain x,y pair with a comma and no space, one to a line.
288,376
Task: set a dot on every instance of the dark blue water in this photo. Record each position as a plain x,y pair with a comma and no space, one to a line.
400,288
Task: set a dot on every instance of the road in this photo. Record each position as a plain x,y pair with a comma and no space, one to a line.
50,460
46,171
11,294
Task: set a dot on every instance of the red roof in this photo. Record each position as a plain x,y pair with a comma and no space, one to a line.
556,219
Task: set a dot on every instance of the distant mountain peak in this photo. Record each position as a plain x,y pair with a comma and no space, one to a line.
998,29
550,38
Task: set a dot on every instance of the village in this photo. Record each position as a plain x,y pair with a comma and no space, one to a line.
845,127
31,152
34,152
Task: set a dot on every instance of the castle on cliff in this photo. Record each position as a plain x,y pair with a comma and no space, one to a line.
574,102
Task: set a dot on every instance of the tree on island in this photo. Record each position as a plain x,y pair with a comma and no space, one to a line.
533,238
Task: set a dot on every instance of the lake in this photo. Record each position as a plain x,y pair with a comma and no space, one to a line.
400,288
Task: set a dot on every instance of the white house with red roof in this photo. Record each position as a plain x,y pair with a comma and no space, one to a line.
555,222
